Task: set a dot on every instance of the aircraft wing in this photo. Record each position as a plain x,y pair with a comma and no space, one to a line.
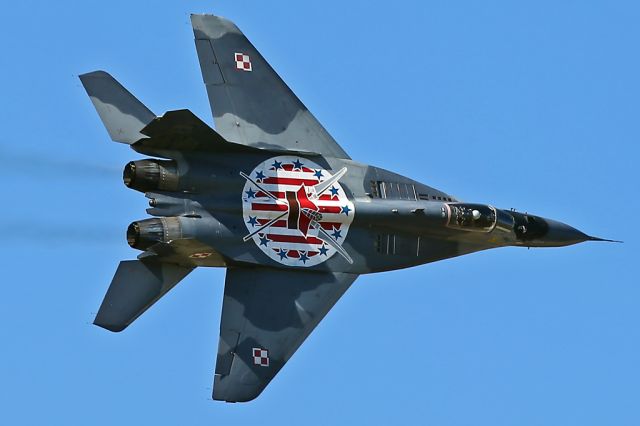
266,315
251,104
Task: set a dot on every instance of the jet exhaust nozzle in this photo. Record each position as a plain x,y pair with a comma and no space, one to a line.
151,175
143,234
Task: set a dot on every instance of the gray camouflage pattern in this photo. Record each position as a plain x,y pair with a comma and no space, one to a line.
207,188
255,108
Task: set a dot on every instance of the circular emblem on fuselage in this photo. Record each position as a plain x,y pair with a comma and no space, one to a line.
295,211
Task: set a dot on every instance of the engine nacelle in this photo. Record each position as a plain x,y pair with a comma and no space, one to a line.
151,175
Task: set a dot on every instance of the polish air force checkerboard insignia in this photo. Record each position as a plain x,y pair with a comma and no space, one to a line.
296,212
260,357
243,62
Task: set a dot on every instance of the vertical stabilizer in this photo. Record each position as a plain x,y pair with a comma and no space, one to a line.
135,287
121,113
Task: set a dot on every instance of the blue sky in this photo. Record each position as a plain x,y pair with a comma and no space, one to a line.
527,105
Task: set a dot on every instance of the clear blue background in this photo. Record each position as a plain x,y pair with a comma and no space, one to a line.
526,105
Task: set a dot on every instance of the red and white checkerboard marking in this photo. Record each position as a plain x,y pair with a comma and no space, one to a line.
243,62
203,255
261,357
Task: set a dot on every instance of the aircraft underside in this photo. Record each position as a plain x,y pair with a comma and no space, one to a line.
271,196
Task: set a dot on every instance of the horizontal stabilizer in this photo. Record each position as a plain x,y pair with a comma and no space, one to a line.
185,251
182,130
121,113
179,130
135,287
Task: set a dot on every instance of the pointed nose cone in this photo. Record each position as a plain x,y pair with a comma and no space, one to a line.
536,231
560,234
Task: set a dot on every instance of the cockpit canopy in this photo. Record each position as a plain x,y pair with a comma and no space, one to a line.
471,217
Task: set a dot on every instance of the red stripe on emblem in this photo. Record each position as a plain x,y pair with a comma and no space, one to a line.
281,195
289,181
330,209
293,239
283,224
283,208
269,207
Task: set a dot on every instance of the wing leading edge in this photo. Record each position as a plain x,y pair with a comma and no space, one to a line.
266,315
251,104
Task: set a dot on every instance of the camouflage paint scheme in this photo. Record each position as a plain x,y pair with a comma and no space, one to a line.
270,195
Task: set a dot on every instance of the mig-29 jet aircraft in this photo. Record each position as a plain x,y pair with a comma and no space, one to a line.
271,196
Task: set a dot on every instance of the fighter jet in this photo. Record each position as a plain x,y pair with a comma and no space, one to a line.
272,197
